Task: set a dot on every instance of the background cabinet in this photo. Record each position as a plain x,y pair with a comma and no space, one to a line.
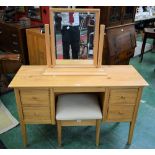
120,44
120,40
13,39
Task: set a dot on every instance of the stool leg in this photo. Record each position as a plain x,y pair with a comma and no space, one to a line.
59,132
97,132
143,47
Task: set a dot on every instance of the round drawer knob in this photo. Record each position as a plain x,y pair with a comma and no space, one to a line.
122,30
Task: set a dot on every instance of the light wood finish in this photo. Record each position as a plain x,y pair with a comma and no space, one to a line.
79,90
120,95
52,39
72,63
101,44
20,113
120,113
55,62
52,101
36,113
123,96
74,10
78,123
121,104
59,132
132,123
105,104
75,71
35,97
47,43
36,46
36,87
32,77
97,132
36,105
96,38
61,123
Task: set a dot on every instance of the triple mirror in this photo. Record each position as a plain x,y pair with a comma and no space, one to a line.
74,37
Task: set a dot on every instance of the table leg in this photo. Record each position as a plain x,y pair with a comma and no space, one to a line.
132,123
20,112
24,135
59,132
97,132
143,47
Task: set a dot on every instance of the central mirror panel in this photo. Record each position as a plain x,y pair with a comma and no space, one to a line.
75,36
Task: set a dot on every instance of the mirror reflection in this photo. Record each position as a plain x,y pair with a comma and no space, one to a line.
74,33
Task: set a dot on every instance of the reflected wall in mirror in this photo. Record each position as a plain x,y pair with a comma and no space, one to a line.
74,36
74,33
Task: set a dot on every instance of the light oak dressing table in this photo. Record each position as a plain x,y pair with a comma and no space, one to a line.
36,87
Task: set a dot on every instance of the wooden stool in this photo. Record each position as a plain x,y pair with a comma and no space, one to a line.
78,110
148,33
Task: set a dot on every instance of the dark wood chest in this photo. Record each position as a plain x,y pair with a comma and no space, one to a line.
120,40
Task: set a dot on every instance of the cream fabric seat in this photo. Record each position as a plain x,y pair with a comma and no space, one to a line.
76,110
78,107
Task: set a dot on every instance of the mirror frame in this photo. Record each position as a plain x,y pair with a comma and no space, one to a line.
50,41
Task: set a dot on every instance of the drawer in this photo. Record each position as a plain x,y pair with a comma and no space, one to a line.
123,96
36,113
35,98
120,113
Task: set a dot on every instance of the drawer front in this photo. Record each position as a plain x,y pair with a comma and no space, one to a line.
120,113
123,96
36,114
36,105
35,98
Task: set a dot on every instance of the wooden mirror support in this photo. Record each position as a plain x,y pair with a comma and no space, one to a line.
71,66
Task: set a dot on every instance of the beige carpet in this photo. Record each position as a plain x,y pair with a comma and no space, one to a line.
7,121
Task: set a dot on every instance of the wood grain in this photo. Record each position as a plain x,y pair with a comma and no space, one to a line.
32,77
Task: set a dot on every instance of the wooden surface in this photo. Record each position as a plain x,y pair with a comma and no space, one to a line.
55,62
97,132
101,45
47,43
36,47
115,76
120,90
133,121
75,71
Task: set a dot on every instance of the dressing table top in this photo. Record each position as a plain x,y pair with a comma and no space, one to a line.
114,76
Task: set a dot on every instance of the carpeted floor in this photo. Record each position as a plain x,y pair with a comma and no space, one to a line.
113,135
2,146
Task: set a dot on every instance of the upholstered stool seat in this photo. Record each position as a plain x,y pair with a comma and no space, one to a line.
78,110
78,107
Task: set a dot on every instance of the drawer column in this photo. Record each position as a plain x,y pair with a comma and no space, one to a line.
121,105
